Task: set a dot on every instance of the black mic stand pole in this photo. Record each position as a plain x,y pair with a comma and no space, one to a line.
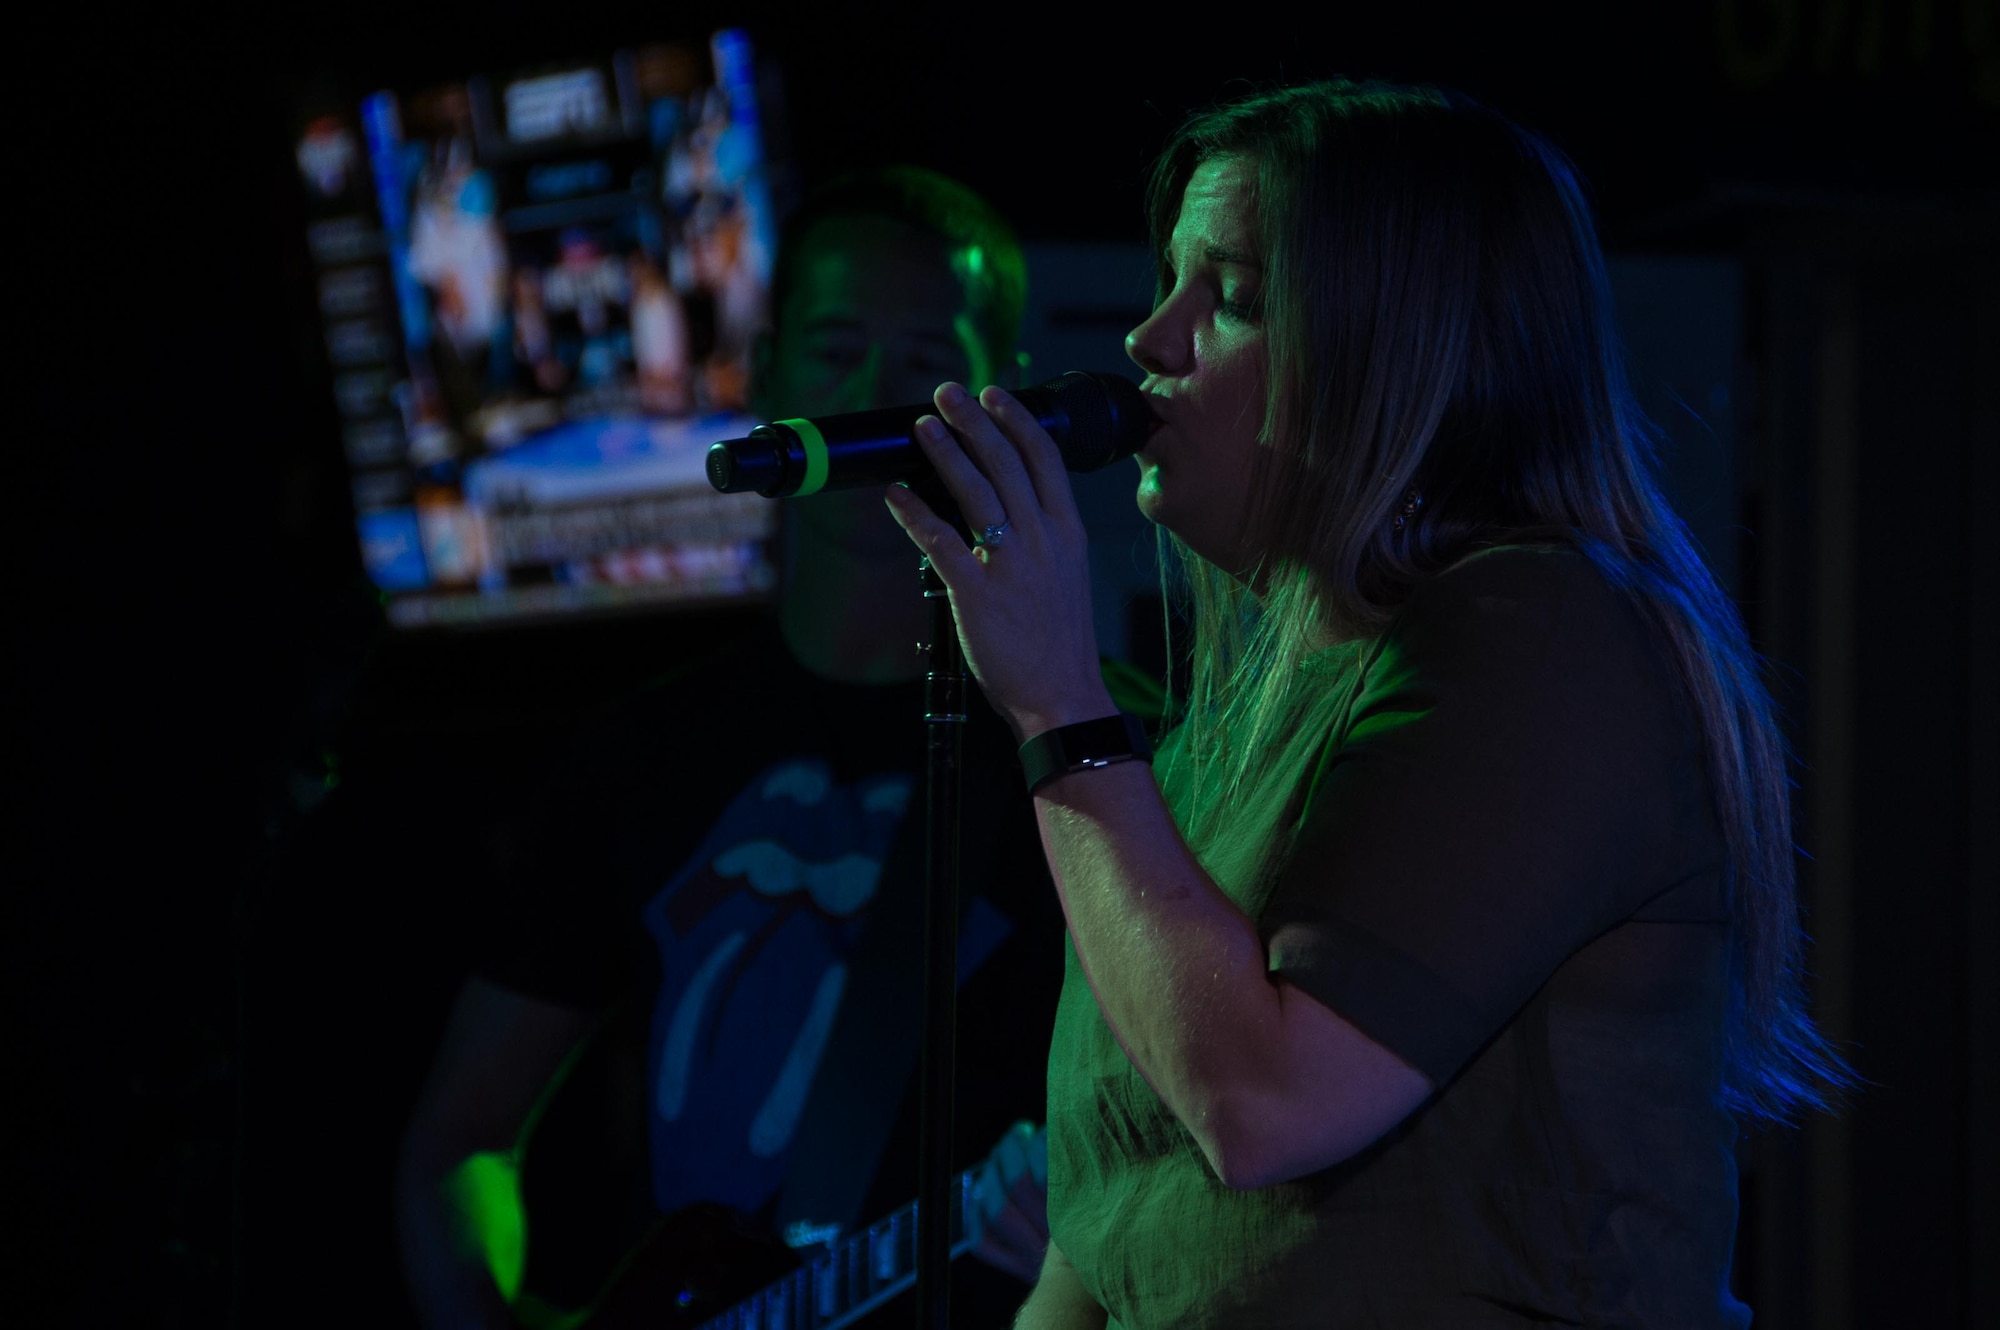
944,730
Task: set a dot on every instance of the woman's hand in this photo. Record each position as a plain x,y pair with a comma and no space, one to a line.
1022,602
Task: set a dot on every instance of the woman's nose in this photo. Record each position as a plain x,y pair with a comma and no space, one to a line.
1151,346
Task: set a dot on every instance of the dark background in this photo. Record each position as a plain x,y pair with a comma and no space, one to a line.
223,980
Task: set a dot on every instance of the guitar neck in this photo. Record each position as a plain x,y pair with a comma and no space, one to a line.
854,1277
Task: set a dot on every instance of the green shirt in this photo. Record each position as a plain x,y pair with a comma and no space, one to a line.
1506,870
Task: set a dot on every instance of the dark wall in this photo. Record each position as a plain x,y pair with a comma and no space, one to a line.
223,980
1872,589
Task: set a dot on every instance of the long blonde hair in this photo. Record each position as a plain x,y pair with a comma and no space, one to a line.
1438,323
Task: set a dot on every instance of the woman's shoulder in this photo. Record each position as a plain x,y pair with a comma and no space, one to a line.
1541,566
1538,579
1533,602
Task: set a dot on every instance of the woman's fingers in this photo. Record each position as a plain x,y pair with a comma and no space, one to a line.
937,538
998,459
1037,451
978,502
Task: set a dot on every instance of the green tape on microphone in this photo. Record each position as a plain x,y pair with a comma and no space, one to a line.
815,445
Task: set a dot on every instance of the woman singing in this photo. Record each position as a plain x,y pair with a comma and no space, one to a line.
1425,978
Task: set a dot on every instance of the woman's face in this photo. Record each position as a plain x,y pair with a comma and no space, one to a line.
1203,353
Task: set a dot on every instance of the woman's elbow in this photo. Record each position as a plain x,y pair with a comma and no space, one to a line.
1321,1098
1250,1148
1244,1170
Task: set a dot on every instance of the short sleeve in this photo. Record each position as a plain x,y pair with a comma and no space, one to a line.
1518,775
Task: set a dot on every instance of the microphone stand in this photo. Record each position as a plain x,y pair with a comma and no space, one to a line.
944,730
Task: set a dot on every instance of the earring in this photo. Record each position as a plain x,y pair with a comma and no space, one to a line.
1412,500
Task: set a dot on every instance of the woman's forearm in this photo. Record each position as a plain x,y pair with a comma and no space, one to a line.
1178,970
1271,1084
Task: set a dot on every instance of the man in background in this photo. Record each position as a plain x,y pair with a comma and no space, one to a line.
717,915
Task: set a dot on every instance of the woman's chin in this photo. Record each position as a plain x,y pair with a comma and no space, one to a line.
1152,502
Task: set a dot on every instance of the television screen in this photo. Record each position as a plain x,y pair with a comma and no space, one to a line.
539,292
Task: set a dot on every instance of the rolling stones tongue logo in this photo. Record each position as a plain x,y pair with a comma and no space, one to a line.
753,933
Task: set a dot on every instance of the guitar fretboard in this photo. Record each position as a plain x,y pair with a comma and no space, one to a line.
854,1277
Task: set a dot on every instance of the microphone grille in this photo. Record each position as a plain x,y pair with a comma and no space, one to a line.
1107,418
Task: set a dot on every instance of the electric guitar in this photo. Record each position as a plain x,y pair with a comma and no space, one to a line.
693,1269
856,1275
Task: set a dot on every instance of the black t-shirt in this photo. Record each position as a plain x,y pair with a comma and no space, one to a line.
1507,871
731,863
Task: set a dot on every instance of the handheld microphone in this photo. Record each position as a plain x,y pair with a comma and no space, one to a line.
1095,419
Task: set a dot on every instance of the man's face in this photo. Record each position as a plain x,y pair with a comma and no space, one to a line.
875,316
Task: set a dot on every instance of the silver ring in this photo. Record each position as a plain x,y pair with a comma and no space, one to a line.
994,534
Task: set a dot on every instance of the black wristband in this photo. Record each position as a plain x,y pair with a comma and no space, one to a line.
1079,747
